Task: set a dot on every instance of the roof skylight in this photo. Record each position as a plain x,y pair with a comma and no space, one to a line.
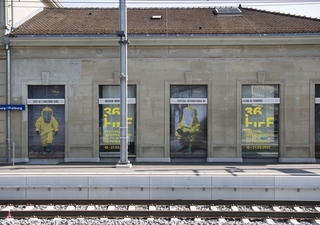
156,17
227,11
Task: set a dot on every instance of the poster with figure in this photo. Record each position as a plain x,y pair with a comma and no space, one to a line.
317,121
46,122
188,121
46,127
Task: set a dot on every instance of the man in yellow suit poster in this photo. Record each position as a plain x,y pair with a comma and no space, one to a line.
47,127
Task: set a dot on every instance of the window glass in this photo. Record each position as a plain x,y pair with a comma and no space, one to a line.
317,121
109,127
260,110
188,121
46,121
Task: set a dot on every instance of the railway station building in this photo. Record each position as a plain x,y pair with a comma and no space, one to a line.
12,14
204,85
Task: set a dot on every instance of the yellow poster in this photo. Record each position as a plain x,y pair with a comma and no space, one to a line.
257,128
111,125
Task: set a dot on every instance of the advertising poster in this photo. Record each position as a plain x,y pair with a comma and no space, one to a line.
317,121
260,122
46,121
109,103
188,121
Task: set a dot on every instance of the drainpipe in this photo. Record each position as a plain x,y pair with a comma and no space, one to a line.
6,42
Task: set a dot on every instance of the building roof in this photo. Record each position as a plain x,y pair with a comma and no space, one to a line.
52,3
104,21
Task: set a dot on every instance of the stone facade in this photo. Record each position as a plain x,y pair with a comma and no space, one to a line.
222,64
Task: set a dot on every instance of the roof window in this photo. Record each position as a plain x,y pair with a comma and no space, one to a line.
156,17
227,11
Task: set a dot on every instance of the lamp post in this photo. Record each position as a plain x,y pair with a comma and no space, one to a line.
123,76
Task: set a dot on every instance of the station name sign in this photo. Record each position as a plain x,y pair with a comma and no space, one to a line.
12,107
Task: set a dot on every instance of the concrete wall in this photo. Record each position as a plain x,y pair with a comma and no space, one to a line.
223,68
33,187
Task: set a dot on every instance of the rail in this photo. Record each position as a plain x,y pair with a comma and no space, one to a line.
162,209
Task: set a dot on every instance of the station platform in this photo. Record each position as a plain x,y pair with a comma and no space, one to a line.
189,169
50,180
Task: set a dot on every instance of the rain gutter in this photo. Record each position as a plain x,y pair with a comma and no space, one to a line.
159,40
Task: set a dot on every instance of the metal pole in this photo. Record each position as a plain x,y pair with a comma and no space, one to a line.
124,162
13,154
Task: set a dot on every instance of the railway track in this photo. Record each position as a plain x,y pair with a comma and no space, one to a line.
268,211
